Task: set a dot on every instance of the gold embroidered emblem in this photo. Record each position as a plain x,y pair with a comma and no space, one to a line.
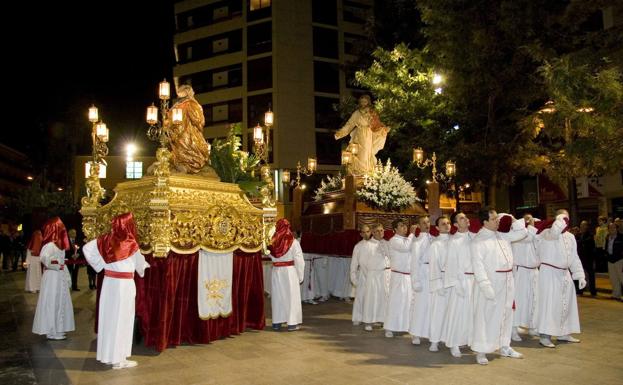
215,287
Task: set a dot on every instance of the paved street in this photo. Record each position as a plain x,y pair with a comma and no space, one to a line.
328,350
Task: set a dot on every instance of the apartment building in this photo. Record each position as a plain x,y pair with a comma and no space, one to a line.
295,57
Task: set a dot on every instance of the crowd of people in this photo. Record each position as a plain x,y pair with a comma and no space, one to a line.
53,259
478,284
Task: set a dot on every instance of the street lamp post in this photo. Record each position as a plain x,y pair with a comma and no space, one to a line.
261,143
312,165
421,162
159,130
99,138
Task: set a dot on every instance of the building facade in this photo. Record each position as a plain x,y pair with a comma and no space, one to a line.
243,57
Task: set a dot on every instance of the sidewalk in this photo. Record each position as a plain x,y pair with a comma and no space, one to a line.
328,350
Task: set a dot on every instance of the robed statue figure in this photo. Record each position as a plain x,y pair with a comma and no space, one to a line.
367,131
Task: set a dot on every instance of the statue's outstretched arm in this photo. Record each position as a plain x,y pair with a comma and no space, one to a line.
348,127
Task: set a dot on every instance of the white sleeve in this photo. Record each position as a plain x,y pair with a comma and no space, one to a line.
93,256
517,232
354,264
299,261
139,263
480,273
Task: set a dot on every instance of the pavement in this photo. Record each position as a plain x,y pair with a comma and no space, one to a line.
327,350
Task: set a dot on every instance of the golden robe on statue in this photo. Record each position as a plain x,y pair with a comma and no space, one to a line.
189,149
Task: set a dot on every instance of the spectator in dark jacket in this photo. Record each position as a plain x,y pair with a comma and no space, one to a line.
614,250
586,251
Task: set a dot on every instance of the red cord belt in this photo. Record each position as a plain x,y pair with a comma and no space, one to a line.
555,267
283,264
504,271
400,272
119,274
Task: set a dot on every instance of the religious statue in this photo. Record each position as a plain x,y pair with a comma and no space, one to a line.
189,150
367,131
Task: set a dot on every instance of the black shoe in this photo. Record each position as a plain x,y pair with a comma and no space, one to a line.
75,289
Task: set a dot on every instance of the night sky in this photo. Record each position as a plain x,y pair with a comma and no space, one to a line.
110,53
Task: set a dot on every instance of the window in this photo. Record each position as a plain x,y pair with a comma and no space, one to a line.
222,77
259,38
326,77
220,113
325,113
220,12
324,11
209,14
328,150
211,46
219,79
355,12
223,112
354,44
325,42
134,170
257,105
220,45
254,5
260,74
258,9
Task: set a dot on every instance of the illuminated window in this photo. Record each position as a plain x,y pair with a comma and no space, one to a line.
134,170
254,5
87,170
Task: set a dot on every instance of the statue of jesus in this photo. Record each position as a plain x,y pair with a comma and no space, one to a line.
367,131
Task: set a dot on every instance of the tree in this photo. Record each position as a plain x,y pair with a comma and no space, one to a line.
579,131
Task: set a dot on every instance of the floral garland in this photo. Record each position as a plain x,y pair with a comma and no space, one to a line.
333,183
386,189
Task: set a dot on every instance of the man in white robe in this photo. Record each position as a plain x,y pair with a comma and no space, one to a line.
558,307
357,277
118,254
308,287
494,291
419,326
439,294
526,275
54,315
399,300
374,266
288,268
459,280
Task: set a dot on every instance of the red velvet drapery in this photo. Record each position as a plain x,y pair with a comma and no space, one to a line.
166,301
338,244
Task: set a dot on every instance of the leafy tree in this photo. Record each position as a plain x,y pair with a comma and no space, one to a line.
579,131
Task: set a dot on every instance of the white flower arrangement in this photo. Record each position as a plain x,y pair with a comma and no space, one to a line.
333,183
386,189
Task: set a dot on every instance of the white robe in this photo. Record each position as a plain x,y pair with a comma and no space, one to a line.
339,277
420,306
558,307
357,278
438,294
115,326
308,287
399,300
526,275
33,274
374,265
492,258
320,275
55,312
285,297
459,279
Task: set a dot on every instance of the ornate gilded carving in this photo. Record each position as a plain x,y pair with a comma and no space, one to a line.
184,213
